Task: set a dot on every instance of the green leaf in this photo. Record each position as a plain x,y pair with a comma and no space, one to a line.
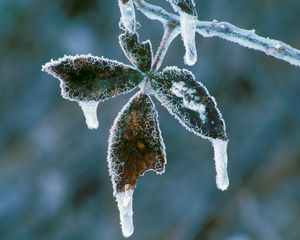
139,54
189,102
89,78
135,144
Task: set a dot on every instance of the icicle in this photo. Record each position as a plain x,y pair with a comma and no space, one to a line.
188,30
89,109
127,15
124,200
220,151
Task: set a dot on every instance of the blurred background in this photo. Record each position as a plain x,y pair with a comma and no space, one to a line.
54,181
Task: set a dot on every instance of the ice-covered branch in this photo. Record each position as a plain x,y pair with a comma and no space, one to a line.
227,31
169,34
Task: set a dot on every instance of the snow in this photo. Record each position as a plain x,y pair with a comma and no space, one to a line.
220,151
188,30
124,200
127,15
89,109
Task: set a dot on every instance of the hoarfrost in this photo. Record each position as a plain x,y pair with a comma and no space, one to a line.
188,30
220,152
138,53
189,98
124,200
189,102
88,78
127,15
89,109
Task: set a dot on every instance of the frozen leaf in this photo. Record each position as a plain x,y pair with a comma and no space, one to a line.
189,101
127,15
135,144
139,54
188,21
135,147
88,78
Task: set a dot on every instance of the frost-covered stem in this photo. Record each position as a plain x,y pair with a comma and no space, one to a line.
170,32
228,32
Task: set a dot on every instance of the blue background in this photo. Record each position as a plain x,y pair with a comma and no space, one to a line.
54,181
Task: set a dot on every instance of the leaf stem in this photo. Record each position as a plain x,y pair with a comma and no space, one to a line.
170,32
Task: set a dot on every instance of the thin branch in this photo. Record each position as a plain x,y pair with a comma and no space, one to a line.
170,32
229,32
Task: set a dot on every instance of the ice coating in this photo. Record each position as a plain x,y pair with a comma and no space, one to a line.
188,30
89,109
220,152
124,200
127,15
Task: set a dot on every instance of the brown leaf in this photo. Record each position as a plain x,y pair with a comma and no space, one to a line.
135,144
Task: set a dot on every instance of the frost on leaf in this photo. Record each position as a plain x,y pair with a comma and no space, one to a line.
88,78
135,144
127,15
188,21
189,101
139,54
135,147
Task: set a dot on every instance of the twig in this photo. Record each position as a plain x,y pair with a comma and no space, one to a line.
170,32
227,31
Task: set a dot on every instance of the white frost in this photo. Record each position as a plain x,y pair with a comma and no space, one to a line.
179,90
89,109
127,15
188,30
220,151
124,200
